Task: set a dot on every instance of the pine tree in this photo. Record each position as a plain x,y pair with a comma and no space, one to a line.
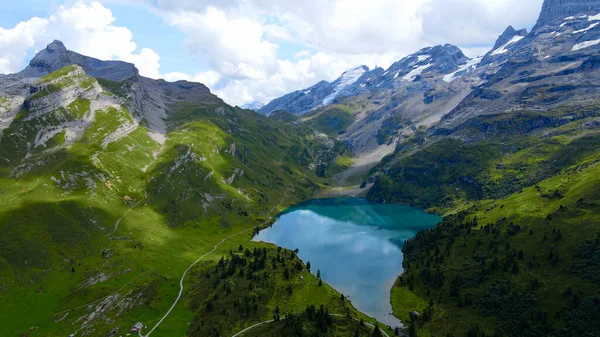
377,332
320,283
318,273
308,266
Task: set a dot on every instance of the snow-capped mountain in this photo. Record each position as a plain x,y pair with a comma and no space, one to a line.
253,106
319,95
439,87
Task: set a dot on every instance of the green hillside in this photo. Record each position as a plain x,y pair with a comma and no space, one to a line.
516,254
100,221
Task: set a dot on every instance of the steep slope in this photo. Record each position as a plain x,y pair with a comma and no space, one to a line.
110,190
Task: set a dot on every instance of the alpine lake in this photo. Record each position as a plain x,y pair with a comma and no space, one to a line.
356,245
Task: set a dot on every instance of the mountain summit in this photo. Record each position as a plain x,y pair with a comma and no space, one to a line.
56,56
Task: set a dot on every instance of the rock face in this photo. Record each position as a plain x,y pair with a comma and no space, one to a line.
49,95
149,102
559,9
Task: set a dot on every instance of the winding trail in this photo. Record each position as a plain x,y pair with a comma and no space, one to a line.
252,327
334,315
202,257
118,222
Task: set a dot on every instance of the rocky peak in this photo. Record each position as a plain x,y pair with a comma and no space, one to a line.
508,34
56,47
56,56
559,9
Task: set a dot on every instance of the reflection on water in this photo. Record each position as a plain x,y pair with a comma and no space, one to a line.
355,244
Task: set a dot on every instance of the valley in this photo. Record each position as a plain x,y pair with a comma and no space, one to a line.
447,194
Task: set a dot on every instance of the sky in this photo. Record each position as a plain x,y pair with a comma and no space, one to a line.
254,50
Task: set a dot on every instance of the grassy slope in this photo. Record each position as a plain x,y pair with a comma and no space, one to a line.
543,179
332,120
243,298
116,226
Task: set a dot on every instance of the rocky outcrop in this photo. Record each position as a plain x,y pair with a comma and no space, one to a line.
553,10
56,56
60,92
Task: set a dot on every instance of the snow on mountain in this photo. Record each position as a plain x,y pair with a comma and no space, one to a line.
503,49
348,78
466,67
415,72
585,44
253,106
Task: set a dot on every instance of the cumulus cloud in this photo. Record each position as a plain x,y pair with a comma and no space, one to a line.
242,41
233,45
208,78
86,28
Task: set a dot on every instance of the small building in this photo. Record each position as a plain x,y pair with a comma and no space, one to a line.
137,327
414,315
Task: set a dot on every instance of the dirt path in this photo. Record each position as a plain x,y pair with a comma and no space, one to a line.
334,315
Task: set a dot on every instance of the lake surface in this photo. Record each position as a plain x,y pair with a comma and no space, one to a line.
356,245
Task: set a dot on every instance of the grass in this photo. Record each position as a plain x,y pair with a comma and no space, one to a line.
332,120
116,223
518,208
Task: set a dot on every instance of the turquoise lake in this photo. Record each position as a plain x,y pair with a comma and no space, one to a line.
354,243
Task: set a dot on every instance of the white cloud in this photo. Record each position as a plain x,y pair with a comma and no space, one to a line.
86,28
208,78
239,38
233,45
242,41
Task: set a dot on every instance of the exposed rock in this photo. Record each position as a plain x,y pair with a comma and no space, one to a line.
553,10
56,56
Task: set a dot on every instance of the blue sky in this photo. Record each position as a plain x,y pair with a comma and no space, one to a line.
253,50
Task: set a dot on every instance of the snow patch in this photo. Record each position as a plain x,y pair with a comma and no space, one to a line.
415,72
348,78
503,49
586,29
594,17
422,58
466,67
584,45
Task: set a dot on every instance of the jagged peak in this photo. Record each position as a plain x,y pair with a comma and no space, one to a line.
56,46
56,56
508,35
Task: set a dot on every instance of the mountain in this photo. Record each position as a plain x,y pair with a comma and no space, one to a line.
319,95
113,184
372,112
513,168
253,106
56,56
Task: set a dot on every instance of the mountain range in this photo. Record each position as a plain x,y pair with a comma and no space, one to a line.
440,87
